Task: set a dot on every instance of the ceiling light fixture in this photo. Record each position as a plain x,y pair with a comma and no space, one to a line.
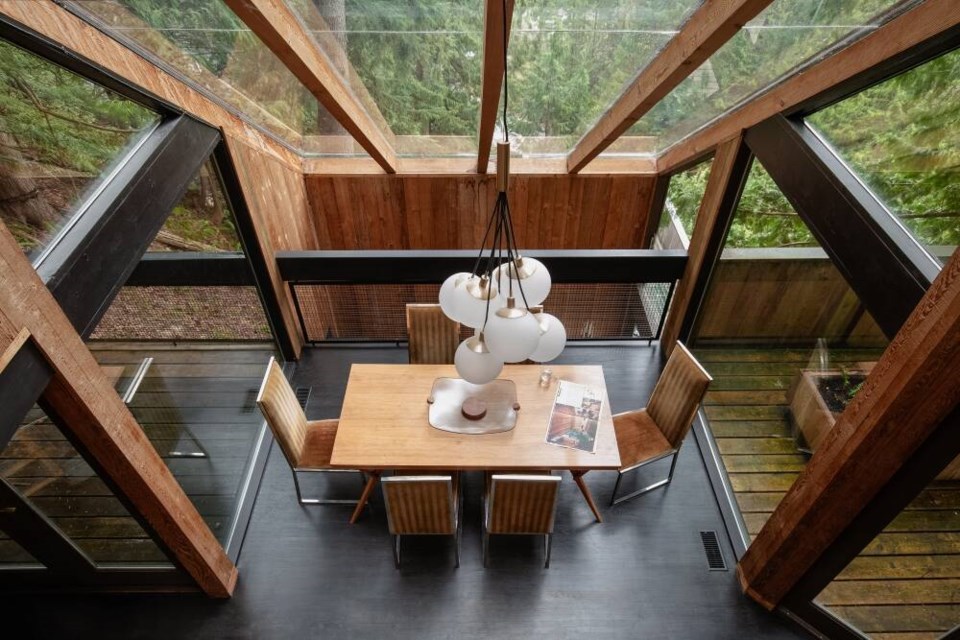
508,328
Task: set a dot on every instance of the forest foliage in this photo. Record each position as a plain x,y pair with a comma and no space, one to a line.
420,61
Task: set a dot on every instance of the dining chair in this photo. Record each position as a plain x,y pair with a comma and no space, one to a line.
520,504
433,337
423,505
657,431
306,444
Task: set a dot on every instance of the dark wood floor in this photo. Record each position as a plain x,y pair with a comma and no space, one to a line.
306,572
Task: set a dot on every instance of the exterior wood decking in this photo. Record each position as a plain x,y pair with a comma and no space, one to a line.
906,584
196,398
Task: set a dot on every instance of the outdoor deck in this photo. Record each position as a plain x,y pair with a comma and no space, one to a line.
906,583
196,404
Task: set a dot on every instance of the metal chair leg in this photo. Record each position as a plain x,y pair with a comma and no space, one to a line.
311,501
656,485
396,551
486,548
459,533
548,543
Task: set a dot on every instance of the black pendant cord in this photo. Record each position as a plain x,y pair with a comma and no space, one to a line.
476,265
512,242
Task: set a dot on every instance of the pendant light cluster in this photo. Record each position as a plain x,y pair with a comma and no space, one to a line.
502,301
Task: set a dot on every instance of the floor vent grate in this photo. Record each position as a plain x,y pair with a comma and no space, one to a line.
711,546
303,396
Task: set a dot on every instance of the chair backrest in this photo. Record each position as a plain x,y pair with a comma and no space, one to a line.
434,337
522,503
678,394
420,504
280,407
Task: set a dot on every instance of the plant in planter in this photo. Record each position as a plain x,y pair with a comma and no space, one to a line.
818,397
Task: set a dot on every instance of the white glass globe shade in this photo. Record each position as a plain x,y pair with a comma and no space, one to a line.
512,334
532,276
475,363
553,338
470,302
447,294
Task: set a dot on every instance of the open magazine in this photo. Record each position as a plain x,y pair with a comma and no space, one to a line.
575,417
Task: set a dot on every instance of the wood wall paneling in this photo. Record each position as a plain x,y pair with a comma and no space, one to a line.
906,397
451,212
277,201
104,428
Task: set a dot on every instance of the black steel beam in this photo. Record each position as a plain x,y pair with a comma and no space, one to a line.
87,267
883,264
269,296
433,267
21,383
191,269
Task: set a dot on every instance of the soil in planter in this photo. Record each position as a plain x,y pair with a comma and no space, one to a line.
837,392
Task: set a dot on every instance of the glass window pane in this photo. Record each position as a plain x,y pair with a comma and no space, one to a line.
202,220
782,39
681,207
46,470
60,134
569,61
904,583
205,43
414,65
902,138
787,342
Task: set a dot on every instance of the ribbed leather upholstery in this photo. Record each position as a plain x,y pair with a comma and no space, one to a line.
521,503
306,444
421,504
434,337
678,394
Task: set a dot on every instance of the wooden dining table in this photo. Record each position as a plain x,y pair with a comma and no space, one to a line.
384,425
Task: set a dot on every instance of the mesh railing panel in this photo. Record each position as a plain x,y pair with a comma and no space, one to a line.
376,313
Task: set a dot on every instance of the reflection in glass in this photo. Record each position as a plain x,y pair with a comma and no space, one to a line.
787,342
904,583
44,468
681,206
787,36
902,138
60,134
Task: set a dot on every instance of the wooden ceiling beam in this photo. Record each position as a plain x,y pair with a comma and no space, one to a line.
926,21
493,70
712,25
278,28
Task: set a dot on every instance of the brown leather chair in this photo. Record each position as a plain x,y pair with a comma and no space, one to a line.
423,505
520,504
306,444
434,337
657,431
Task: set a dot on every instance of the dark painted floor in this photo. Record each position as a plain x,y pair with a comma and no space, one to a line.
305,572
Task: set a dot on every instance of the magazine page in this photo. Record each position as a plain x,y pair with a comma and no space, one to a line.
575,417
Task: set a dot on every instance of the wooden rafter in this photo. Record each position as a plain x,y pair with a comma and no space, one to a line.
280,30
493,69
928,20
713,24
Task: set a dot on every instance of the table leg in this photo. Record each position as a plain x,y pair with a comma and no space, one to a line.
367,490
585,490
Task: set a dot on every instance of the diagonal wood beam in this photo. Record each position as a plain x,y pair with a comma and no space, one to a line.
927,21
279,29
493,69
713,24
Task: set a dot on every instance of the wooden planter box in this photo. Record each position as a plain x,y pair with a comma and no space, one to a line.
812,419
